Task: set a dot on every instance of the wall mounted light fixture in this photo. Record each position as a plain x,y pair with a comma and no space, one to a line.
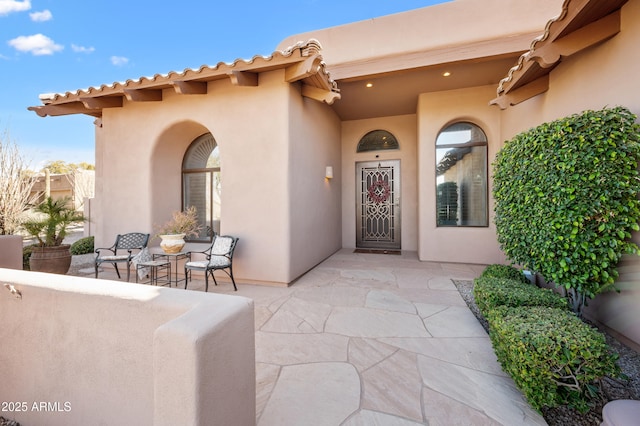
328,173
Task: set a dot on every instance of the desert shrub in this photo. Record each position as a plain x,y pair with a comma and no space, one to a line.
26,254
82,246
490,292
553,356
566,199
504,271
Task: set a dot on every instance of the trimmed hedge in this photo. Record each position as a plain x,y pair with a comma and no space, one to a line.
82,246
553,356
490,292
504,271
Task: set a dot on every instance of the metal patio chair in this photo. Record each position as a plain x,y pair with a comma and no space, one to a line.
122,251
219,256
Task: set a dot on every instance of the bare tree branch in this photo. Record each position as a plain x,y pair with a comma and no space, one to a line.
15,185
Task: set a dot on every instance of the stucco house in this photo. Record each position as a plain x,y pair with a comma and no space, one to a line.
76,186
375,134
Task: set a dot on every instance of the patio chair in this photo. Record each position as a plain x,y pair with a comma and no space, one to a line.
219,256
122,251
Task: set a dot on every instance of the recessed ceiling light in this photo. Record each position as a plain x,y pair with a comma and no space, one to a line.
369,84
446,74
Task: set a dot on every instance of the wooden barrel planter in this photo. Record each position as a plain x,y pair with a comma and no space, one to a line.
54,260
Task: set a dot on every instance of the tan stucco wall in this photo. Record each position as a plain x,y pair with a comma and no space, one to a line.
274,147
314,202
603,75
404,129
104,352
435,112
447,24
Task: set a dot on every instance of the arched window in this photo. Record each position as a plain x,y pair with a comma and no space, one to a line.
461,176
377,140
201,184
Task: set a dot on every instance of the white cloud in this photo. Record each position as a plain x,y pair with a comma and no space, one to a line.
9,6
82,49
119,60
37,45
43,16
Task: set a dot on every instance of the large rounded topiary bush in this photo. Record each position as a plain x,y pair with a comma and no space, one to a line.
566,199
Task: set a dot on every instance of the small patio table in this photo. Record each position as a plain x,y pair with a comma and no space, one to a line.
159,271
175,257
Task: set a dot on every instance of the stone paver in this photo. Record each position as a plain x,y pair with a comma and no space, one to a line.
313,394
378,299
399,373
374,418
371,339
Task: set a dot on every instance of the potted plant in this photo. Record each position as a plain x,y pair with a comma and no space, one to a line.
183,224
49,226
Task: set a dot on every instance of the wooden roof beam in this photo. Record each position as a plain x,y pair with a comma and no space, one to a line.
190,87
523,93
102,102
143,95
243,78
596,32
64,109
304,69
320,95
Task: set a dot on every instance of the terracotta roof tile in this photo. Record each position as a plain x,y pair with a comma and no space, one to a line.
574,16
318,77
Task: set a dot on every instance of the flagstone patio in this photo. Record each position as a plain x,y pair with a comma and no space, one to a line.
373,339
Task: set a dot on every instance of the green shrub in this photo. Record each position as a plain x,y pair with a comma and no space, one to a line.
26,254
82,246
504,271
566,199
553,356
490,293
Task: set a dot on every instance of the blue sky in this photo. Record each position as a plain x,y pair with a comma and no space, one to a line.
53,46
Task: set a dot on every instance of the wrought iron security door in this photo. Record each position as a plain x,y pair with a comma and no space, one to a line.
378,204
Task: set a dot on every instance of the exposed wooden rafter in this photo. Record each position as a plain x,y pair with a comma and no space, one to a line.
320,95
64,109
522,93
103,102
190,87
304,69
143,95
243,78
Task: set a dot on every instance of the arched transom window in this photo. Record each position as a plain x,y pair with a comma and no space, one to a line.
377,140
461,176
201,184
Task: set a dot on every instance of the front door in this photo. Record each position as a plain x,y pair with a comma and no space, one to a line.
378,204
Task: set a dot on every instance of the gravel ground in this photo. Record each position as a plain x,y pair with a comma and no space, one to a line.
612,389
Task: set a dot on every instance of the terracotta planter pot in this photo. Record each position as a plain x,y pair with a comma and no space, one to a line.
54,260
172,243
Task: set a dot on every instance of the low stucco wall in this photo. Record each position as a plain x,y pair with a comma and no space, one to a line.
84,351
11,251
